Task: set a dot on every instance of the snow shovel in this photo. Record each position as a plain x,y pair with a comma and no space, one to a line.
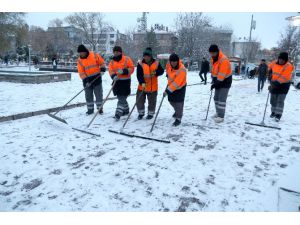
114,83
262,124
60,119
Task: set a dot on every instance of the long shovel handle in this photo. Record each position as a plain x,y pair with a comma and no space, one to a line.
263,121
138,99
157,113
75,96
114,83
208,104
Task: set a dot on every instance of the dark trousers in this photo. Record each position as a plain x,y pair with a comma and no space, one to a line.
205,76
122,105
141,99
89,96
260,84
220,101
277,103
178,107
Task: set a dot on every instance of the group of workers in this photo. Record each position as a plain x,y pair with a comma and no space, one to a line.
91,68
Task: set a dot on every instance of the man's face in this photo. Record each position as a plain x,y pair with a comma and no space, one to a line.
262,62
147,58
82,54
117,53
281,61
174,63
213,54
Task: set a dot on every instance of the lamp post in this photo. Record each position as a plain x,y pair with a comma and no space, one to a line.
29,57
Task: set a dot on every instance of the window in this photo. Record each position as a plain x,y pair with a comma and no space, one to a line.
112,35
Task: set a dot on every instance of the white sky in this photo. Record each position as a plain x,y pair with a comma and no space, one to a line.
269,26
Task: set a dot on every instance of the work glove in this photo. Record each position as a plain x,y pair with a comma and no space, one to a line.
143,86
270,88
125,71
153,73
120,71
103,69
116,78
213,86
88,84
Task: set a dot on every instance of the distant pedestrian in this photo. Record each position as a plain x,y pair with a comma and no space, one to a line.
262,72
204,70
54,63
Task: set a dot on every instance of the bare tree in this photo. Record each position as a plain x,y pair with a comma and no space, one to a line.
56,23
190,27
289,42
10,23
92,25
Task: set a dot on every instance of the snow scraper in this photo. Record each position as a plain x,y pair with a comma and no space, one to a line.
262,124
138,136
62,120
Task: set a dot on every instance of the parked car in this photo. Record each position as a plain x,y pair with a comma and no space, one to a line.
296,79
194,66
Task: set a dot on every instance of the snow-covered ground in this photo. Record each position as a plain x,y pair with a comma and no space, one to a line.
47,166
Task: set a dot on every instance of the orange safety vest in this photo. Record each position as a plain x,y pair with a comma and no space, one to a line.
151,80
176,78
90,66
281,73
221,69
124,63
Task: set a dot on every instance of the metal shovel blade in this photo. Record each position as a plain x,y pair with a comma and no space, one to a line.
57,118
262,125
138,136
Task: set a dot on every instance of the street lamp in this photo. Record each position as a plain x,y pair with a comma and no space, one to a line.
29,57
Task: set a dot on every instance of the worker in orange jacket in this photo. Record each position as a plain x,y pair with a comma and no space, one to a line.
121,68
91,67
281,76
176,74
222,80
147,74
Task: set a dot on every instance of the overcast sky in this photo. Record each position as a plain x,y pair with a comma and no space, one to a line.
269,26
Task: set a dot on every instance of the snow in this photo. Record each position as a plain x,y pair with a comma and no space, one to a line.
47,166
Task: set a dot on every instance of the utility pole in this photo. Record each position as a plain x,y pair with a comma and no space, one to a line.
252,27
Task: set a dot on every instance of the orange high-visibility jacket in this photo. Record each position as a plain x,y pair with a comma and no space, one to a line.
176,78
90,66
281,73
117,67
151,80
222,68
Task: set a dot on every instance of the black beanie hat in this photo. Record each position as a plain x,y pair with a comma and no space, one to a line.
117,49
174,58
213,48
148,51
82,48
284,56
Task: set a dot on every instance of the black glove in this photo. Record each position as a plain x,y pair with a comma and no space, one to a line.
103,69
125,71
213,86
270,88
113,76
